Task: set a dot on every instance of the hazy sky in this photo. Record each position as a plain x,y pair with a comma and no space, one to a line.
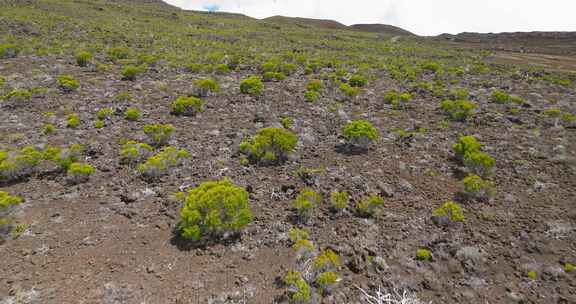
424,17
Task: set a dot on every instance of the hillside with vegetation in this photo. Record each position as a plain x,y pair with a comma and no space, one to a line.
155,155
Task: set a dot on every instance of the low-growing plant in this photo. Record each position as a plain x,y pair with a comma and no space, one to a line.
252,86
459,94
49,129
300,290
287,122
99,124
449,212
123,97
104,113
339,200
305,204
7,204
67,83
132,114
466,144
297,234
349,91
314,85
360,134
499,96
327,260
357,81
477,188
79,172
72,121
326,281
269,146
160,164
479,163
187,106
130,72
424,254
83,58
214,210
19,163
458,110
311,96
17,97
118,53
158,134
273,76
9,50
64,158
206,87
397,100
568,267
532,275
367,206
133,152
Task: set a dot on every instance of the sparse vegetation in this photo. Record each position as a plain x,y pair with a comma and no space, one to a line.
67,83
424,254
449,212
252,86
160,164
132,114
79,172
206,87
478,189
360,134
339,200
187,106
131,72
305,204
459,110
367,206
158,134
269,146
83,58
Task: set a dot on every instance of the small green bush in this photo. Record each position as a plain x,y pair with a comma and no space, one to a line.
99,124
17,97
214,210
459,110
424,254
327,260
118,53
222,69
479,163
64,157
269,146
72,121
450,211
287,122
18,164
187,106
314,85
466,144
397,100
206,87
133,152
130,72
300,291
49,129
67,83
568,267
459,94
105,113
367,207
158,134
252,86
273,76
132,114
305,204
477,188
532,275
339,200
83,58
500,97
160,164
311,96
9,50
349,91
79,172
360,133
327,280
297,235
7,204
357,81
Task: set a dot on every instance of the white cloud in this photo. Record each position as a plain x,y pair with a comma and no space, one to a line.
425,17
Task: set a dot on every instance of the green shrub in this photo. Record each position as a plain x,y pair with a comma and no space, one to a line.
479,163
132,114
459,94
18,164
477,188
311,96
327,280
83,58
79,172
49,129
349,91
459,110
532,275
123,97
64,158
130,72
2,81
466,144
9,50
360,133
269,146
133,152
339,200
568,267
424,255
327,260
105,113
17,97
213,210
449,212
273,76
187,106
397,100
367,207
500,97
252,86
7,204
158,134
99,124
305,204
287,122
118,53
222,69
67,83
160,164
357,81
72,121
205,87
314,85
297,235
300,291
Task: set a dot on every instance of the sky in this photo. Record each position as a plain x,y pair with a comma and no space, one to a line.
423,17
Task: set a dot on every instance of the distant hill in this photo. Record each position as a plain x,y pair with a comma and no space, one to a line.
382,28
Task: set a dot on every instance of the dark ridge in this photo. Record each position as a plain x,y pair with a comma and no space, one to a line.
382,28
